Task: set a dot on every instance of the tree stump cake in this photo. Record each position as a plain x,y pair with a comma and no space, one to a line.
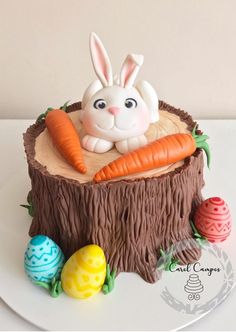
131,218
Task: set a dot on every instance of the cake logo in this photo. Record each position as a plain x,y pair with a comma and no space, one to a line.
199,287
193,287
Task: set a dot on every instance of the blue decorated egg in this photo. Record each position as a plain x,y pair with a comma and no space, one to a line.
43,259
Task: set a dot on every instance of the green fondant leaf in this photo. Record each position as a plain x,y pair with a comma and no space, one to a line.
194,131
105,289
162,252
201,143
201,240
56,288
42,284
197,235
113,274
30,209
40,118
29,199
167,260
201,138
175,260
108,271
64,107
195,231
109,283
167,267
53,281
24,206
29,206
205,147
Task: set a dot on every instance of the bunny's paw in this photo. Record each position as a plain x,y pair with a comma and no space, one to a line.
95,144
130,144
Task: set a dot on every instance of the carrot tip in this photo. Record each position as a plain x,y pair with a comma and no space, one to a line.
83,170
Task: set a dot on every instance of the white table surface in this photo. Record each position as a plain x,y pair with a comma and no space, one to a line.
223,138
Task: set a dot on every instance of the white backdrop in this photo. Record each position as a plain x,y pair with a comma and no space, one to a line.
189,48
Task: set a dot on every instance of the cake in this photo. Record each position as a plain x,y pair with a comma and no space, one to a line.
138,215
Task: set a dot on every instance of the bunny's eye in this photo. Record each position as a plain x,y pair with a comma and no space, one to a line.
130,103
99,104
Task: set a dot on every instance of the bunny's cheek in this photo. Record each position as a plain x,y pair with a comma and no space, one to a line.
136,120
143,120
98,119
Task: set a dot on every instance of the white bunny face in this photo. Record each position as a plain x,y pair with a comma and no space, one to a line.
115,113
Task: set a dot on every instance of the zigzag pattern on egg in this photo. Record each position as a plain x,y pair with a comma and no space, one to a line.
43,254
43,259
55,265
213,219
213,226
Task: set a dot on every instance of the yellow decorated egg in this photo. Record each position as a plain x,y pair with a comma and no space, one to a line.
84,273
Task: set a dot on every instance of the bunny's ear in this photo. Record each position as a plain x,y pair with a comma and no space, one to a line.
129,70
150,97
100,60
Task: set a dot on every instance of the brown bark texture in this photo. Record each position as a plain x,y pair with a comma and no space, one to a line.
130,219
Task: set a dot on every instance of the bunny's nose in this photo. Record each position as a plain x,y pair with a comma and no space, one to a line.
114,110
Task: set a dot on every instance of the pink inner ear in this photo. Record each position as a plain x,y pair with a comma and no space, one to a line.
127,71
100,60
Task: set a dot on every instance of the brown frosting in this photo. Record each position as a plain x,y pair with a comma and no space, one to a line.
131,219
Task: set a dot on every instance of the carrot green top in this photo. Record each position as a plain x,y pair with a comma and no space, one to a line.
201,143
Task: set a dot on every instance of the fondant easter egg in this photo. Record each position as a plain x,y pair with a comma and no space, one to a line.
84,273
43,259
213,219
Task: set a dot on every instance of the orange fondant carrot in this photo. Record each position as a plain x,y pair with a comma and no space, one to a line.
165,151
65,137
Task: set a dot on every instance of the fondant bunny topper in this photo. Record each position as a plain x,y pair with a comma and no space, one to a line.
114,111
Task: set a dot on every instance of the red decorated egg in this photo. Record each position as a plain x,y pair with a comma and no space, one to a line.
213,219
